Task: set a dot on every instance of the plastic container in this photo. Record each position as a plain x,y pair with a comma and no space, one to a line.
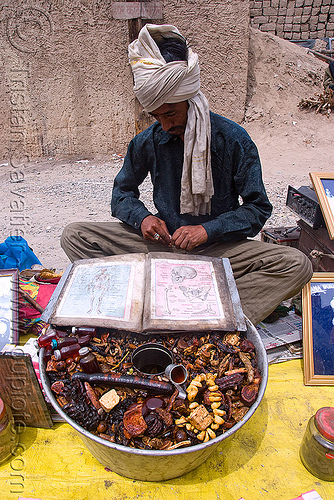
48,353
66,352
8,435
88,361
84,330
59,343
84,340
317,448
45,339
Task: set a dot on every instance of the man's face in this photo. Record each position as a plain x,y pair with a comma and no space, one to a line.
172,117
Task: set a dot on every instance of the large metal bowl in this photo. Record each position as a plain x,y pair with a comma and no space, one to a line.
154,465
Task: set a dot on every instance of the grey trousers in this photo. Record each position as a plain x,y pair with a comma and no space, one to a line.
265,273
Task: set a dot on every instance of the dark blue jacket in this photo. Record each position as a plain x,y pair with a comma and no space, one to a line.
236,172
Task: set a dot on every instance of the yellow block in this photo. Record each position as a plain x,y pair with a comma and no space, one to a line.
260,462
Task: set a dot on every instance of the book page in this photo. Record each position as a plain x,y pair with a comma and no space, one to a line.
106,292
182,290
99,290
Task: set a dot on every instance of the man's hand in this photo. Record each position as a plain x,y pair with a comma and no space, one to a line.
155,229
189,237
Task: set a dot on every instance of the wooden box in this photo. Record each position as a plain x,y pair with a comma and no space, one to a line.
316,244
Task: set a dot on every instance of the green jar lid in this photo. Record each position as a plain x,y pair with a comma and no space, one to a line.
325,422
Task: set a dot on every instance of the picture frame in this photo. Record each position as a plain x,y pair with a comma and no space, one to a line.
323,184
9,307
318,329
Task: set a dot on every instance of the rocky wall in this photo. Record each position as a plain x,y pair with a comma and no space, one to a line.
65,83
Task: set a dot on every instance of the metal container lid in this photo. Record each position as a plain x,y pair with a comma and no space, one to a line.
324,419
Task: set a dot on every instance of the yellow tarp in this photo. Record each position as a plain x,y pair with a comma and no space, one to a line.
260,462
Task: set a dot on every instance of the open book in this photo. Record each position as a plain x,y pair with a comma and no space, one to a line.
148,293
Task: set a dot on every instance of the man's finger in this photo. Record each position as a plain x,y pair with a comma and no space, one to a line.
163,233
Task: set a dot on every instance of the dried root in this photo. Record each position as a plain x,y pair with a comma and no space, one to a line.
321,103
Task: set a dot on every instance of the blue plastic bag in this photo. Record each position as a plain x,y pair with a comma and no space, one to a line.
16,254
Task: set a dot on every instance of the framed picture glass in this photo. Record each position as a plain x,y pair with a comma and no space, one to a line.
323,184
8,307
318,329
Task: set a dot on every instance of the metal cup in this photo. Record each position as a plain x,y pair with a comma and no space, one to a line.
177,374
151,358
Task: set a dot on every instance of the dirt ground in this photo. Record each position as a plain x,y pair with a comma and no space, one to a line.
291,142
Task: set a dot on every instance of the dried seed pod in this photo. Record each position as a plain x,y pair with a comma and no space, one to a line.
154,424
239,413
192,395
229,381
249,394
71,367
180,422
57,386
196,383
178,445
180,435
201,435
61,365
229,424
236,370
62,401
246,346
107,437
207,437
220,413
180,406
248,365
182,344
166,416
210,432
214,399
92,396
215,405
51,365
133,421
102,427
223,365
232,338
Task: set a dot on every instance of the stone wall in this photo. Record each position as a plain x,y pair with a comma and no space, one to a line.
65,83
294,19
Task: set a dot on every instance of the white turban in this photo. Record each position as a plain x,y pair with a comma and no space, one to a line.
158,83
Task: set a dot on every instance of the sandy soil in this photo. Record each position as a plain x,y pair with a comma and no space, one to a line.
292,142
